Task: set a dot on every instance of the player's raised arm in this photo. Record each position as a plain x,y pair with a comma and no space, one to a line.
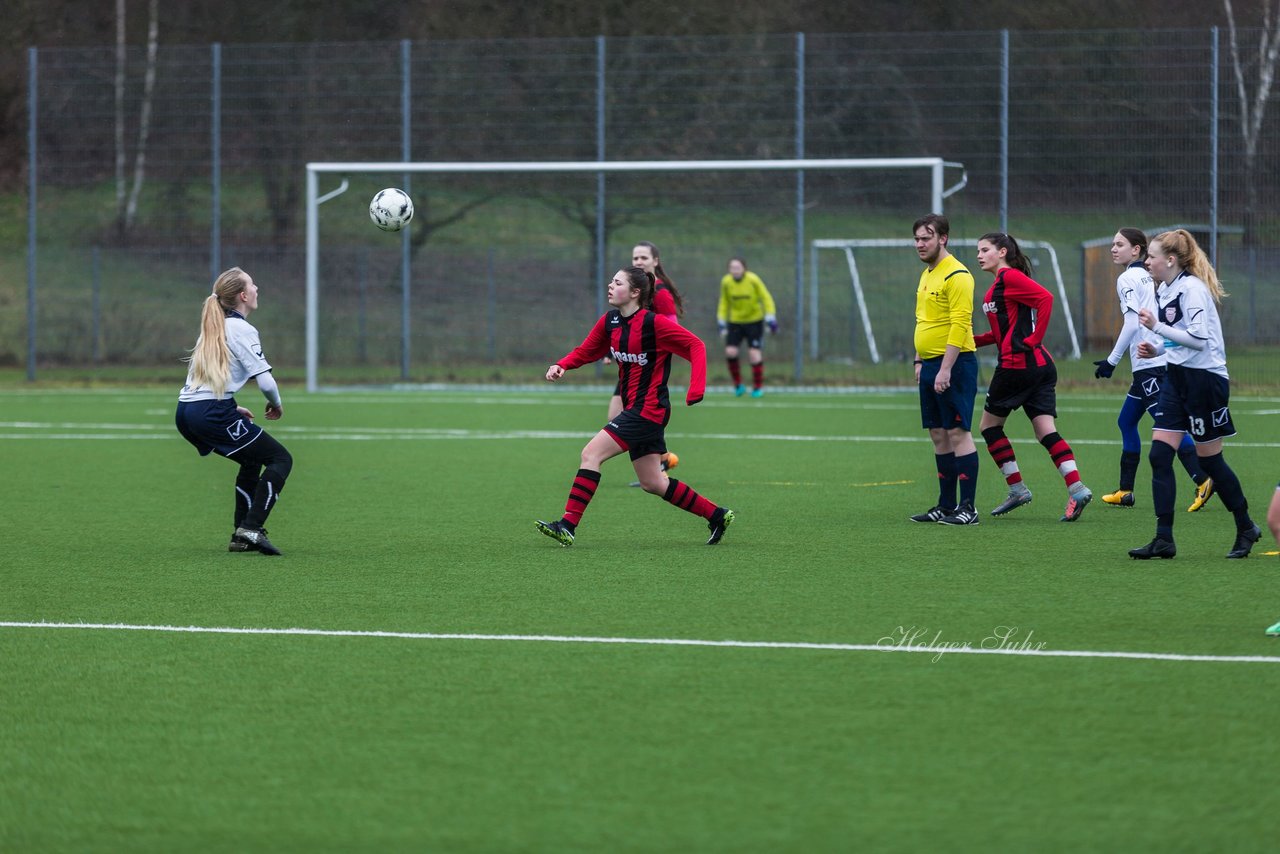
686,345
593,347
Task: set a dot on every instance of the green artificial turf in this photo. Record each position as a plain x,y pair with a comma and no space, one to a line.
413,513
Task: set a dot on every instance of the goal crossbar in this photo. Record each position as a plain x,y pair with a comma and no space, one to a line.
848,245
934,165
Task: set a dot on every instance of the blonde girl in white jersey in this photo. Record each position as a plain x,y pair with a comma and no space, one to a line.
1136,291
1196,394
227,355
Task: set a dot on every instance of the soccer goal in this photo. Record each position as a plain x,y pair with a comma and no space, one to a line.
870,308
381,300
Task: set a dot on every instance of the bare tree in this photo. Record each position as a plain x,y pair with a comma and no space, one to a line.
127,200
1253,110
144,121
120,154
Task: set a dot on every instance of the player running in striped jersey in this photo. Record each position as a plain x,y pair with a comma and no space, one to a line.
227,355
1196,395
641,342
1137,291
1018,309
666,301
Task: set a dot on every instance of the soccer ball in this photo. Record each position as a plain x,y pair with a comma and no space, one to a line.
391,209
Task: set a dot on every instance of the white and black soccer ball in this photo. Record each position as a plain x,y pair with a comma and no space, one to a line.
391,209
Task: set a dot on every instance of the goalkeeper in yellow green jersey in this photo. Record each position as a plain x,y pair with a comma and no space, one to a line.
746,307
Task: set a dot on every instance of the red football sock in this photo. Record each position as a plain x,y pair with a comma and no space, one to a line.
685,498
580,495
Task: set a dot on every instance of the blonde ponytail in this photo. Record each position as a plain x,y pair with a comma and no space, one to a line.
1183,246
211,359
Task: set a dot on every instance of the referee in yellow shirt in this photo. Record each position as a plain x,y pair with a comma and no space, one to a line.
946,371
746,307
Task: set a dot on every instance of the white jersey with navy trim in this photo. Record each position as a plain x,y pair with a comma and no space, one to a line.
1137,290
1186,303
247,362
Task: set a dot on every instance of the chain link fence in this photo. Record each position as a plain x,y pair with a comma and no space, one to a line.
1064,137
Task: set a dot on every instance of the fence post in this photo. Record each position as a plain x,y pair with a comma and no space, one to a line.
215,156
405,277
1213,149
492,312
96,284
362,324
799,310
31,213
1004,130
600,189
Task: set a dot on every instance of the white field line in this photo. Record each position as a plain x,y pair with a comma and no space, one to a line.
68,430
935,650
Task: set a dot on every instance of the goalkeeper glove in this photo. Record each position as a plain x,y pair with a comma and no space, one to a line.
724,328
1105,370
772,322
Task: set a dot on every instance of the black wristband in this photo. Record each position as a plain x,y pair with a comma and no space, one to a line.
917,362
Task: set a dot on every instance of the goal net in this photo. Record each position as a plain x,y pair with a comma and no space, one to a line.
504,266
860,299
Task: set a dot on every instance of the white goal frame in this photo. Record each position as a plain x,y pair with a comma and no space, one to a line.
935,166
903,243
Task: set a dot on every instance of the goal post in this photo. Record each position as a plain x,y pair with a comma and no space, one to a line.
851,248
934,167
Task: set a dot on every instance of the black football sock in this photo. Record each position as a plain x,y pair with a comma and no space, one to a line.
1227,486
946,464
246,487
1164,488
967,474
1129,461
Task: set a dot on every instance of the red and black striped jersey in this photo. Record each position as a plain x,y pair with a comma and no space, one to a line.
1018,309
664,303
642,346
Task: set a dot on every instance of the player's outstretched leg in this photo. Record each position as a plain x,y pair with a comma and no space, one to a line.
1001,450
560,530
246,486
686,498
277,463
719,523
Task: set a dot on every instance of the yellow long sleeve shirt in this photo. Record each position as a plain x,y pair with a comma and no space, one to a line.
744,300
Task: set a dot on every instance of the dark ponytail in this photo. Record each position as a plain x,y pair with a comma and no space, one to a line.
643,281
1136,237
663,277
1013,253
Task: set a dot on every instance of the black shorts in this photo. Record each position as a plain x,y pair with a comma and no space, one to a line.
639,436
953,409
1194,401
1145,388
1034,390
215,425
752,332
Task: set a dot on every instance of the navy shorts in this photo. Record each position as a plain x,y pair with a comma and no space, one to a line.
1034,390
953,409
752,332
639,436
215,425
1145,388
1194,401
